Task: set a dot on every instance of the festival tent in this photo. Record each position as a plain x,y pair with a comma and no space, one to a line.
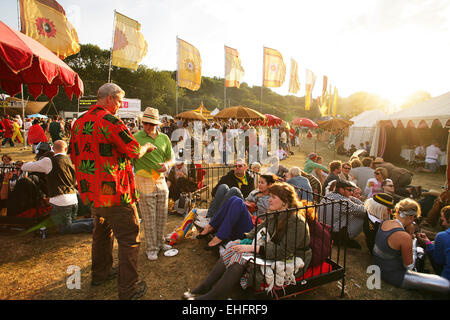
421,123
203,111
214,112
363,127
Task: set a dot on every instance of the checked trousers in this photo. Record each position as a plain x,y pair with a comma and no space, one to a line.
153,206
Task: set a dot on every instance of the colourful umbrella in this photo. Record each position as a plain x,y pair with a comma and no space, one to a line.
304,122
273,120
23,60
191,115
239,112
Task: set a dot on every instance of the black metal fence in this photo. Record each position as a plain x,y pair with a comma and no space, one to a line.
328,258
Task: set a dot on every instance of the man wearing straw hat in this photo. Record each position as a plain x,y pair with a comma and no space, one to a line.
151,182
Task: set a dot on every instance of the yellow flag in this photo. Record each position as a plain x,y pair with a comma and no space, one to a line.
310,81
129,44
46,22
274,68
294,83
189,66
233,69
335,101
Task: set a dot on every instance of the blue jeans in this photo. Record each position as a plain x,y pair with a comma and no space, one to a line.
65,219
232,220
223,193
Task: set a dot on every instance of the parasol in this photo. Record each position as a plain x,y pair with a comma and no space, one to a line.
23,60
239,112
191,115
273,120
304,122
334,124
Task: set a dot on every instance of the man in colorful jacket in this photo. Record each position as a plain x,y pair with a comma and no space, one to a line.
101,148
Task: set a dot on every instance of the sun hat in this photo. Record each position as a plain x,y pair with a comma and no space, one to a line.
151,115
384,199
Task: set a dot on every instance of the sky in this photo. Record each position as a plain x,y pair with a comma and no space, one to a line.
385,47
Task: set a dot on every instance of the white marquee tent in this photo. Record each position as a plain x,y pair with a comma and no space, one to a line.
422,115
363,128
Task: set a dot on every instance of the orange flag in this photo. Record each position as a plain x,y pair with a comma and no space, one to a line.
274,68
233,69
129,46
46,22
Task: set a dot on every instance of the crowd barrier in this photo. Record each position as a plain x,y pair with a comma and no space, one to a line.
329,258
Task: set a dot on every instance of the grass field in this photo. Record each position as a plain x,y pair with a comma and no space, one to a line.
33,268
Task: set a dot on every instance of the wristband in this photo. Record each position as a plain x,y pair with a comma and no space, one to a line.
428,242
5,182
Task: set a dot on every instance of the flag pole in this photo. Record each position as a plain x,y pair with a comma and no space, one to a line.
262,84
224,79
176,91
112,45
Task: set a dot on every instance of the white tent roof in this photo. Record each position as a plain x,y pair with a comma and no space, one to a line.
214,112
368,119
437,108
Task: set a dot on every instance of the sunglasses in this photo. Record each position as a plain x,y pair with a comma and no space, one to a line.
376,172
389,185
349,189
346,168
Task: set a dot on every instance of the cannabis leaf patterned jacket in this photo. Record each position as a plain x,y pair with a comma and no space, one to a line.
101,148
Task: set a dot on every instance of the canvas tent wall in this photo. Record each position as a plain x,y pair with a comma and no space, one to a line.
363,128
423,122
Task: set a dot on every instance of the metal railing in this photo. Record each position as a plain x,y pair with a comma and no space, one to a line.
318,215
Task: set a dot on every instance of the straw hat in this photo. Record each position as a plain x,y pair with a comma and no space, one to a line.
151,115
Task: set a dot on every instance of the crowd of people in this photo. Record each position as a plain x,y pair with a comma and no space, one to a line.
124,175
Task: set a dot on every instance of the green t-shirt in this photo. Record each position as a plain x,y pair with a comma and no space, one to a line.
150,160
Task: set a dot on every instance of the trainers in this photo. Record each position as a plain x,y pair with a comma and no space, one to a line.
166,247
201,223
152,256
141,289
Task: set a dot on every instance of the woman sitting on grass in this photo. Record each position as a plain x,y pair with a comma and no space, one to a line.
393,252
287,235
236,216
